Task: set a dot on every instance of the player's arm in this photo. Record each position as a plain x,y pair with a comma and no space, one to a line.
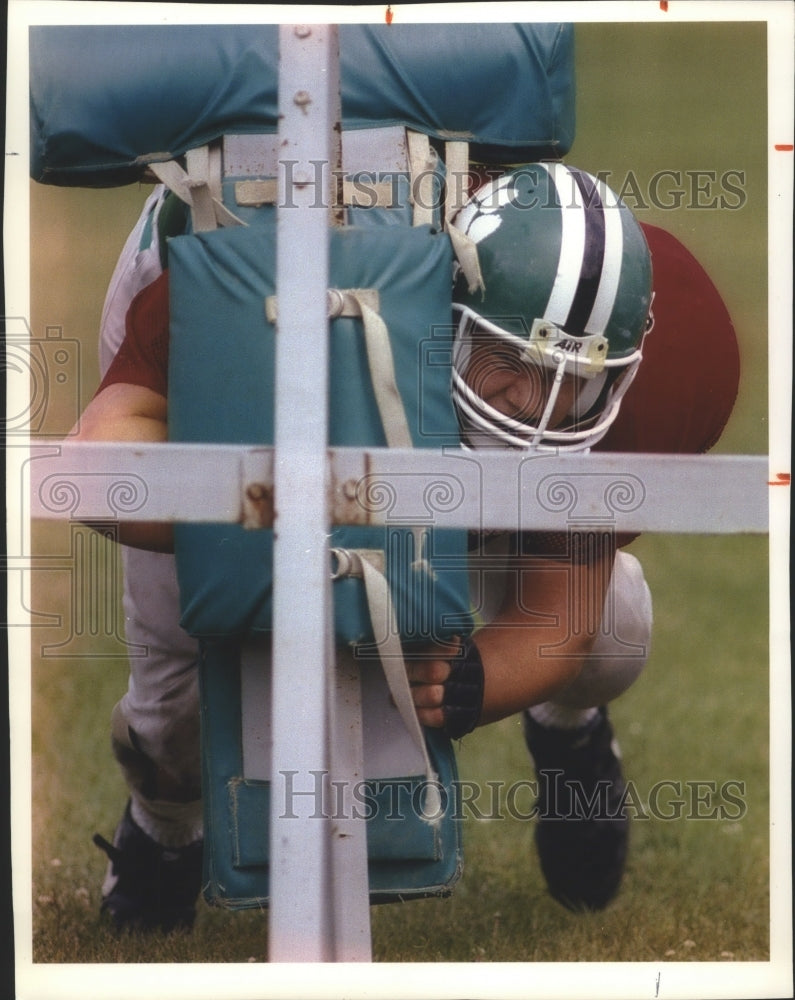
535,646
547,626
124,412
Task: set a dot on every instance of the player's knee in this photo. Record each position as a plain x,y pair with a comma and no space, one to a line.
623,645
162,759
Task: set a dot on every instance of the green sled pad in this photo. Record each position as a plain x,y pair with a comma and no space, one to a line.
105,100
221,375
408,857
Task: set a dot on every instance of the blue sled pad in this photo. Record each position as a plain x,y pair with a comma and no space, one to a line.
408,857
108,99
221,390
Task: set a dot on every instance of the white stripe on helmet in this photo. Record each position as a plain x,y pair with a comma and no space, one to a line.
572,244
572,250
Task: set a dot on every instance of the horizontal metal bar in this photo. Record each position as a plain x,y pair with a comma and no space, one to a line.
136,482
514,490
446,489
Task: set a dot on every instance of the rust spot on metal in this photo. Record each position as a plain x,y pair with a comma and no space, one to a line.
259,510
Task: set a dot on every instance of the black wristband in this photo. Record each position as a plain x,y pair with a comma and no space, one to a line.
463,692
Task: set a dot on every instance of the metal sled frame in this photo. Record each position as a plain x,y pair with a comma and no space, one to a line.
319,907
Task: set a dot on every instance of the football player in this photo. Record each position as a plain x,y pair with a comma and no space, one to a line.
544,354
547,359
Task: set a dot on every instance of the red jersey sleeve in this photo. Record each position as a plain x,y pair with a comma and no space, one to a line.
142,358
686,385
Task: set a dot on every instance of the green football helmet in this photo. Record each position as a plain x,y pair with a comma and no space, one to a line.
566,291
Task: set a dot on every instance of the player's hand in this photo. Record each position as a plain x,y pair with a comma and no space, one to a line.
427,672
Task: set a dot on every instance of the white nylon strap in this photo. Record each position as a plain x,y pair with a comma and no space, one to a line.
365,194
203,163
365,564
369,194
456,162
466,252
421,167
382,373
388,398
456,158
341,302
257,192
207,212
364,303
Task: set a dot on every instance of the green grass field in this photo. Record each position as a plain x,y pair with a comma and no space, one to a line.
697,889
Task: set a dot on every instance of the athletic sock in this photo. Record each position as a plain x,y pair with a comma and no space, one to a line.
555,716
170,824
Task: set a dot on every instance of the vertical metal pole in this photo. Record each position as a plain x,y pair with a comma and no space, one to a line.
350,896
300,879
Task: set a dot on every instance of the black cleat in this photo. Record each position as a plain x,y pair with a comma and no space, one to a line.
149,887
582,832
